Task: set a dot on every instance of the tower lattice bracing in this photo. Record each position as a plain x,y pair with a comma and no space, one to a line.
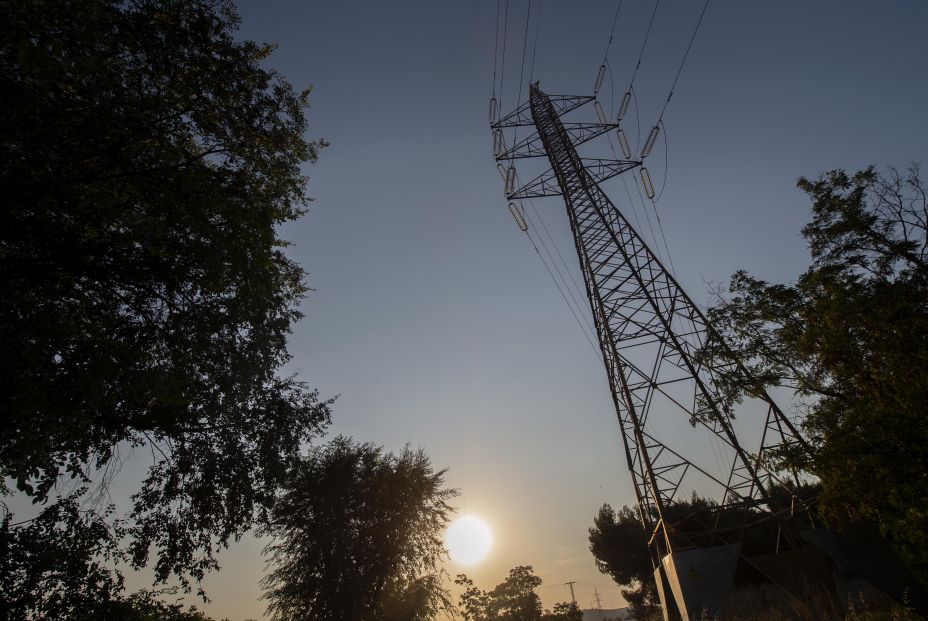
650,334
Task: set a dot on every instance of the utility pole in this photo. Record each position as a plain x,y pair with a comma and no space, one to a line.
573,597
599,603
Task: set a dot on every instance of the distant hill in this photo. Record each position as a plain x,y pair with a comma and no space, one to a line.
597,614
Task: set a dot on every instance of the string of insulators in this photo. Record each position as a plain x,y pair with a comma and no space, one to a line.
518,217
646,182
599,78
624,107
499,142
649,143
492,109
510,179
599,112
623,143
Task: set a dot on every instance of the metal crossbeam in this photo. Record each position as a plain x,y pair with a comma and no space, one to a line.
649,330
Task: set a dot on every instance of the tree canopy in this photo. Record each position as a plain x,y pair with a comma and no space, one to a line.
618,542
514,599
850,337
147,159
357,534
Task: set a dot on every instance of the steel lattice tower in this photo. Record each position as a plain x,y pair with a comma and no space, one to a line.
650,334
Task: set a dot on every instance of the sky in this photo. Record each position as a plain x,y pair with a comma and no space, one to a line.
432,318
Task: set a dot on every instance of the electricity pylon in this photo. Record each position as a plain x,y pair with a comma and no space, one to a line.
650,336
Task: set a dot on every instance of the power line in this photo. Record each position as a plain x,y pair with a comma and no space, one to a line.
564,297
615,20
528,19
666,162
531,72
557,250
495,49
644,44
586,326
502,70
585,320
602,67
683,62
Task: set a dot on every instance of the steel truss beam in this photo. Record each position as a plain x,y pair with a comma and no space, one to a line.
649,330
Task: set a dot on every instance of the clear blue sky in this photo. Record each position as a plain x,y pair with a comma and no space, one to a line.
433,319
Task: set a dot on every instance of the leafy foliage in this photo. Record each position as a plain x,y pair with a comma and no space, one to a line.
357,534
55,565
147,160
514,599
851,338
618,542
144,606
564,611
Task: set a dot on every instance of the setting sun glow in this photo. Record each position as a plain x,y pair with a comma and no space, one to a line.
468,540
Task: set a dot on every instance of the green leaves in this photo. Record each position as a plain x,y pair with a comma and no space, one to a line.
55,566
514,599
147,161
357,534
850,337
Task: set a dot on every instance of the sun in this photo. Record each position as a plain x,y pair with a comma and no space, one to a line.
468,540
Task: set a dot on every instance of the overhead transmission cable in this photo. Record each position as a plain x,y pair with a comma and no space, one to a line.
531,72
683,62
602,68
560,281
567,297
644,44
631,202
502,69
655,130
584,327
623,141
528,19
596,351
495,59
574,303
561,257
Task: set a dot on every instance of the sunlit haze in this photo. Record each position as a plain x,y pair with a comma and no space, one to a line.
468,540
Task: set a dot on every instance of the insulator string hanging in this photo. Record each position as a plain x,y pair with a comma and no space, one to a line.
510,179
649,143
602,68
646,182
499,142
599,112
623,108
599,79
623,144
518,216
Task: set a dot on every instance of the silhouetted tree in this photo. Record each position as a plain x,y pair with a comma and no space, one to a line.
357,534
514,599
144,606
850,336
619,544
55,566
563,611
147,160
